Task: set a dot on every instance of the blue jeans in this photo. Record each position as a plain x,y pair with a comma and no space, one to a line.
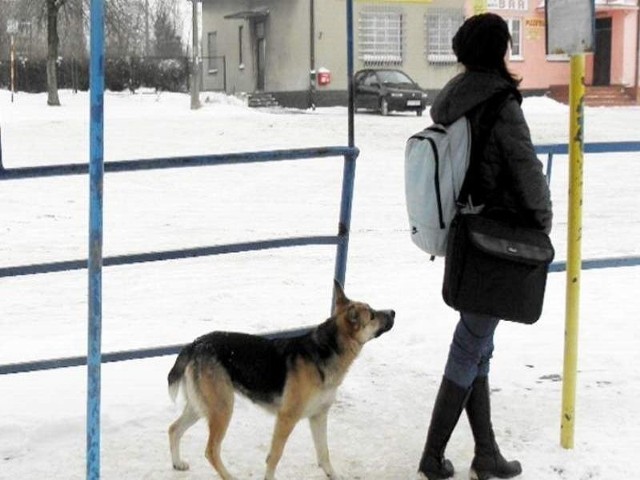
471,348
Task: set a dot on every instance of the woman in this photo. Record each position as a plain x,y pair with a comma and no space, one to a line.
506,178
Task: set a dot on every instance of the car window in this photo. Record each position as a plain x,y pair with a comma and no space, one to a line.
394,77
360,77
370,79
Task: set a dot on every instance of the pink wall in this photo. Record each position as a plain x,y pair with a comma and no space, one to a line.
623,47
538,72
534,69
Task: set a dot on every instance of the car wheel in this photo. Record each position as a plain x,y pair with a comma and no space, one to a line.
384,107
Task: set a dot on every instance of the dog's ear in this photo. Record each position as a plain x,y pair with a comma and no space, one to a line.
353,318
339,298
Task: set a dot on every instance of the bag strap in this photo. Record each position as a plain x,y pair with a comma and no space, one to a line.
488,117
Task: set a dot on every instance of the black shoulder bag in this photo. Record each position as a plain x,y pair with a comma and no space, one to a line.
495,267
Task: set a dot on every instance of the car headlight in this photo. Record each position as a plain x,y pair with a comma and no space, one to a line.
424,95
396,95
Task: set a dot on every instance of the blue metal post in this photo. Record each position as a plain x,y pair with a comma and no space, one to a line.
348,174
351,129
96,175
549,167
348,177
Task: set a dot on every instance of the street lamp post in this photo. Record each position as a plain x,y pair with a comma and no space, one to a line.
12,29
195,60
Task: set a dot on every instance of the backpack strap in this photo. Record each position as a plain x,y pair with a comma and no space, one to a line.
489,112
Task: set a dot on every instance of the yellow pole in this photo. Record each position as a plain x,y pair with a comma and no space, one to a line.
480,6
574,241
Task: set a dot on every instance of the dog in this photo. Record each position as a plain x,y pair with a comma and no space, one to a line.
294,378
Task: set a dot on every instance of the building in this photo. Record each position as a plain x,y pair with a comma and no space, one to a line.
296,49
613,63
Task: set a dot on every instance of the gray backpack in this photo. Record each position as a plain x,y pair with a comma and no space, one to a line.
435,164
436,161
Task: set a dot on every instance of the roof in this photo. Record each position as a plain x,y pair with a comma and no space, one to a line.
248,14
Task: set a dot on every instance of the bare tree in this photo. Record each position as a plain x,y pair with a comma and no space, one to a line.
51,12
61,26
4,36
165,28
125,27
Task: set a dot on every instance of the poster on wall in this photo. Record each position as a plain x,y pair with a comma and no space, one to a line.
570,26
534,28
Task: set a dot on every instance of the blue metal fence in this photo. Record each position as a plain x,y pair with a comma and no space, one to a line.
596,147
177,162
96,170
340,240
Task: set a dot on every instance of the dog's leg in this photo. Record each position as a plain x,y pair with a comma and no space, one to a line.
176,430
285,422
318,425
220,401
217,429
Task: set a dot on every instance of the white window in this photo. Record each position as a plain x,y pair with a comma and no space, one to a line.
441,24
380,36
515,28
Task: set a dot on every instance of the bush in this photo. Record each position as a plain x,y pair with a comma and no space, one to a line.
31,75
168,74
117,74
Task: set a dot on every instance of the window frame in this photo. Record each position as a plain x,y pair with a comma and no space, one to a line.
381,36
212,53
447,22
517,57
240,46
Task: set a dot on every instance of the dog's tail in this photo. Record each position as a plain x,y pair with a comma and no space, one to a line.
177,372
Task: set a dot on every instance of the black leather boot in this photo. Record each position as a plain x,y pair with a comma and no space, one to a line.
488,462
446,412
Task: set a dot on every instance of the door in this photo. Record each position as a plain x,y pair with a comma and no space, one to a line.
369,91
602,54
261,53
360,89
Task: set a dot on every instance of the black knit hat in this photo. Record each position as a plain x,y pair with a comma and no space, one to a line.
482,41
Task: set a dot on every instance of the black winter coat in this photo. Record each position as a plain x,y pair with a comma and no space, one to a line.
507,178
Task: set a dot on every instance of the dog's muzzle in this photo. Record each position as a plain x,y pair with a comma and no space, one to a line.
387,324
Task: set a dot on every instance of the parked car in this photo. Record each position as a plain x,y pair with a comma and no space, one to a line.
386,90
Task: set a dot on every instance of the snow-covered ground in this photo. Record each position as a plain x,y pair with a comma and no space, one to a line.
378,424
